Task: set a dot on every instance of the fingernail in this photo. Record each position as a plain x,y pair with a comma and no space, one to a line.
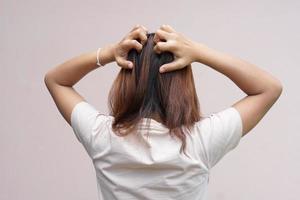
161,70
130,65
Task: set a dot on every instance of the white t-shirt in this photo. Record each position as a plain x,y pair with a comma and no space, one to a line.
135,167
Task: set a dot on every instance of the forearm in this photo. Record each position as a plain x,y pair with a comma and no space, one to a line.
248,77
71,71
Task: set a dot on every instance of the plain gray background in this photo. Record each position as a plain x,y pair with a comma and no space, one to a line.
40,156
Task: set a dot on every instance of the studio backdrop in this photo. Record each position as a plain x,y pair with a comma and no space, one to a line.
40,155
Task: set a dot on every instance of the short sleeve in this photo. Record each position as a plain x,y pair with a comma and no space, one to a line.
224,131
86,121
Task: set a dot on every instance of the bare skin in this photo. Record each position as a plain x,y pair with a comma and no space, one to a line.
262,88
61,79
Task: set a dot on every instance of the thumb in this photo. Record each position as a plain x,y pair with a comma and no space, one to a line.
125,63
170,66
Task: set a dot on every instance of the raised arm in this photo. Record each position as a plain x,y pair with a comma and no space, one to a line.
261,87
60,79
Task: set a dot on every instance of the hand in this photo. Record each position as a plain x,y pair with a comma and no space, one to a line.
183,49
130,41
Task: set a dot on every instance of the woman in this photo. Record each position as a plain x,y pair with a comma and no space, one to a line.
155,144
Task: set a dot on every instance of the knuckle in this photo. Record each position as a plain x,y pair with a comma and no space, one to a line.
121,62
175,35
174,47
144,40
142,36
169,26
159,46
146,30
139,32
157,49
136,43
117,59
155,39
133,32
126,42
131,43
180,63
139,46
159,31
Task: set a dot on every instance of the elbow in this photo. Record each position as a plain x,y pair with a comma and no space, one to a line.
276,89
48,78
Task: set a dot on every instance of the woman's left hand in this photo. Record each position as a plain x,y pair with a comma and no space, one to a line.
128,42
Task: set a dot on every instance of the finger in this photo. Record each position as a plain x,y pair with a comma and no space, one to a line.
161,35
124,63
135,27
140,34
171,66
168,28
145,29
162,46
139,26
135,44
129,44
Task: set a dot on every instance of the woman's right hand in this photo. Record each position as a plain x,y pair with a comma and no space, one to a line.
183,49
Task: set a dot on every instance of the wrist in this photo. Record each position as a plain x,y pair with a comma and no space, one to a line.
201,52
106,54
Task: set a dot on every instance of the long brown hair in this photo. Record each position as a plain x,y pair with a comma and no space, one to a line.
142,91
